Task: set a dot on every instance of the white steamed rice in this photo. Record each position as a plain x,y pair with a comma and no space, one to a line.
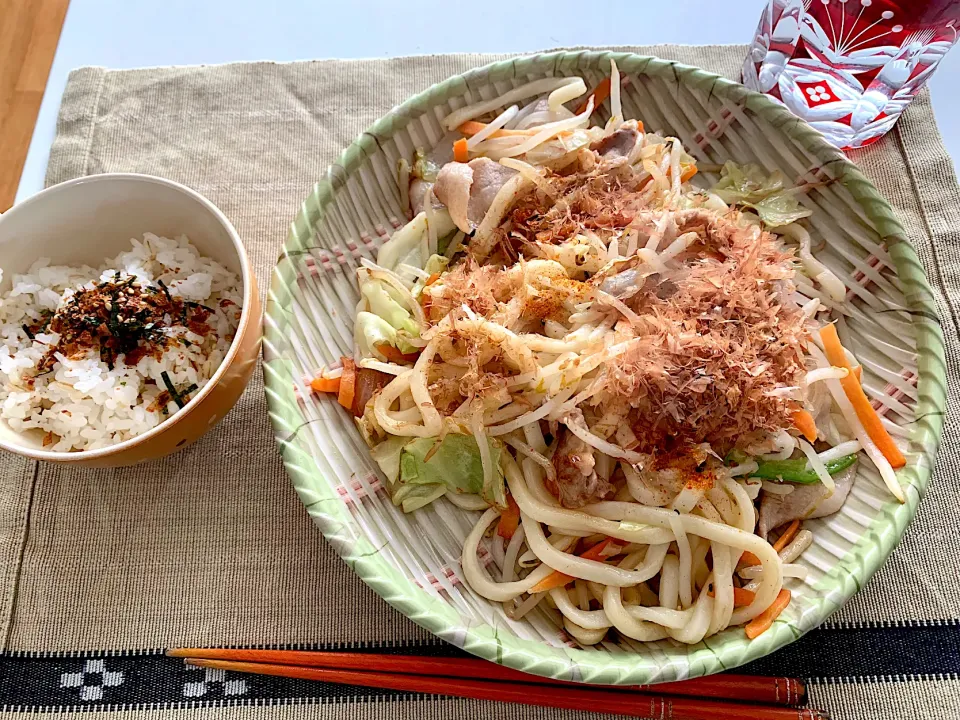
82,404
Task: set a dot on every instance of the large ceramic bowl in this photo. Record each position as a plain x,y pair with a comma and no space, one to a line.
85,220
413,560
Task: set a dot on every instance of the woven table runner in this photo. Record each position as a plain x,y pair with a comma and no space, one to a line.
102,569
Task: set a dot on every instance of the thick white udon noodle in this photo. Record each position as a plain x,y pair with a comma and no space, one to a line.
653,534
667,537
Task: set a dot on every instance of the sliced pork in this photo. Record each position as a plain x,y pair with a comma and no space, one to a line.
468,189
618,144
577,482
805,502
418,193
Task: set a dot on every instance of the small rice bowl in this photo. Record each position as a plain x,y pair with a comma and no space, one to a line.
81,402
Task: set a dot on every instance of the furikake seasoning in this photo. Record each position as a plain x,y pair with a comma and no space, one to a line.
121,317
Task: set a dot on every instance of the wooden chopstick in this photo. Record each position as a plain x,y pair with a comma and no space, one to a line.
747,688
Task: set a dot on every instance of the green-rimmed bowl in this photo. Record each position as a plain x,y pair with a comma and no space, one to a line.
413,561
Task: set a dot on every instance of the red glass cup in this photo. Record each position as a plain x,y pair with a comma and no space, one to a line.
849,67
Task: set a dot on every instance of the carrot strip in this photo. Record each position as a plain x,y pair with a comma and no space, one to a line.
471,127
460,151
803,421
394,355
595,552
348,383
741,597
553,580
600,93
788,535
688,173
325,385
762,622
854,392
858,373
748,559
558,579
509,519
432,279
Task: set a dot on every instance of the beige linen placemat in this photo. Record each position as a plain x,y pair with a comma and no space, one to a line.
211,546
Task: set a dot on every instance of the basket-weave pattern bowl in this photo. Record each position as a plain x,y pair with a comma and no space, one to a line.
413,560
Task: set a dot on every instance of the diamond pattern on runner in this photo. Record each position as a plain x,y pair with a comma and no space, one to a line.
91,680
213,680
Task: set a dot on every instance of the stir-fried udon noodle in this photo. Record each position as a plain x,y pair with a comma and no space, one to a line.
638,382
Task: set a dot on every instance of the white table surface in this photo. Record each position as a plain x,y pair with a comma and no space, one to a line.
139,33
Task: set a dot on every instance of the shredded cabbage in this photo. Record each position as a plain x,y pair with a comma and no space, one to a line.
780,209
382,303
403,247
428,467
746,183
386,319
423,167
387,456
414,497
371,330
437,263
750,186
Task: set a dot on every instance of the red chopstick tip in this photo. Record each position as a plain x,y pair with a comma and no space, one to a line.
790,691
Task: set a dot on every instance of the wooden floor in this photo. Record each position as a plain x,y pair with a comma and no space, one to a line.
29,31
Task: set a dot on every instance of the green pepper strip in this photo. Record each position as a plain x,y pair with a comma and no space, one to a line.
793,470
